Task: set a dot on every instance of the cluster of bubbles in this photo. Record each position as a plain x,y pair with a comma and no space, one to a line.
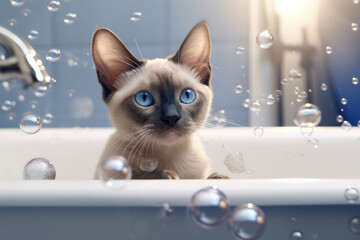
209,207
39,169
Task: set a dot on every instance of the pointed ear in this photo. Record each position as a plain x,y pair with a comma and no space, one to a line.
195,52
111,59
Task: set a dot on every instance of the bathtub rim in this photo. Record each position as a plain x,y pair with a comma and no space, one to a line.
153,193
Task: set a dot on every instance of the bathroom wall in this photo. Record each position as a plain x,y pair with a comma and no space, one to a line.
75,98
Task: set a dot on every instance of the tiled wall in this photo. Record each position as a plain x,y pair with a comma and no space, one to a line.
163,27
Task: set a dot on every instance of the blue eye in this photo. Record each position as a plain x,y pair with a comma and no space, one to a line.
144,98
187,96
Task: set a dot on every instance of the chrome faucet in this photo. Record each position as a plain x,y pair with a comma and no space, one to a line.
22,61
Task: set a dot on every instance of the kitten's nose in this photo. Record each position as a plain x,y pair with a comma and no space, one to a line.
170,115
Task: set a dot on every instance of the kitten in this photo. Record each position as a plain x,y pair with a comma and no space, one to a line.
157,105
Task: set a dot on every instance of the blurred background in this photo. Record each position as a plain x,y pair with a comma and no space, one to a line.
310,53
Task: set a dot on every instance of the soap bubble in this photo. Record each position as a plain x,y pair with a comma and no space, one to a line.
351,194
234,162
339,118
26,12
343,101
220,117
240,50
328,50
7,105
70,18
39,169
53,6
302,95
33,104
296,235
53,55
71,92
209,207
238,89
17,3
21,98
33,34
306,131
355,81
258,131
135,17
112,169
308,115
354,27
148,165
284,81
30,123
247,221
324,87
11,116
270,99
264,39
313,143
255,106
294,74
12,22
354,225
246,103
346,125
40,91
48,118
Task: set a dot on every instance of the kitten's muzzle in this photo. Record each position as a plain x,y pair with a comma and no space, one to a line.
170,114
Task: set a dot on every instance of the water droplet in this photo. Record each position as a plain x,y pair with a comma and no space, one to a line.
113,169
53,6
346,125
247,221
148,165
308,115
343,101
240,50
297,235
246,103
264,39
355,81
270,99
12,22
351,194
135,17
33,34
258,131
70,18
328,50
17,3
39,169
255,106
48,118
53,55
238,89
294,74
284,81
354,27
354,225
234,162
209,207
314,143
26,12
324,87
220,117
21,98
306,131
339,118
7,105
30,123
40,91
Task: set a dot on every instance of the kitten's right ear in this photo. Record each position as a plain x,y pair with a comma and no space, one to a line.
111,59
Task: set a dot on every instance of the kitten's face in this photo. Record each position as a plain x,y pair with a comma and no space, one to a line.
167,99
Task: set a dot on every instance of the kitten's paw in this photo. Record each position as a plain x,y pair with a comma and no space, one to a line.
217,176
157,174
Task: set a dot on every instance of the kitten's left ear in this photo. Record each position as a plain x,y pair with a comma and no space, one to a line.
195,52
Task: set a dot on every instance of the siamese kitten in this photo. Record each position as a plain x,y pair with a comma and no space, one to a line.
157,105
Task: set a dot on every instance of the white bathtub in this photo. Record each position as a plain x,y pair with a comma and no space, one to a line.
299,187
